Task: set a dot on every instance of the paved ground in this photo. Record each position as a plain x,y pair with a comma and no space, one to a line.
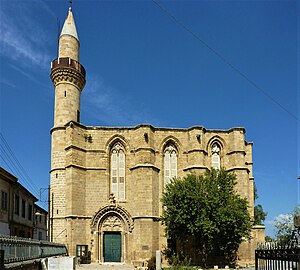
120,266
105,266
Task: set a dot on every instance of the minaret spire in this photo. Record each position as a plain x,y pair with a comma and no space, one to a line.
69,27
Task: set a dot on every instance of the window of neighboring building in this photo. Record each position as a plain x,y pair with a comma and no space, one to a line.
29,211
118,172
23,208
215,156
4,200
17,205
170,163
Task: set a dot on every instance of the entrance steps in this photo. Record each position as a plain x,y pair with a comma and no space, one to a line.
106,266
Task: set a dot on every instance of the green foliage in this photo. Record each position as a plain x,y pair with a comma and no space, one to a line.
208,208
269,238
152,263
259,215
284,225
178,267
255,192
180,259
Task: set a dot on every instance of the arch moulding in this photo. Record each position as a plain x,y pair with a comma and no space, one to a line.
112,210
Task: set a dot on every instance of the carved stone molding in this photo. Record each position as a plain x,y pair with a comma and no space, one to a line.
112,222
112,215
66,74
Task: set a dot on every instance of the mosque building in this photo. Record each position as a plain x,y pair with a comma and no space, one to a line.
106,183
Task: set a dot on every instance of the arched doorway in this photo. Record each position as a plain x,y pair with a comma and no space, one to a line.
112,225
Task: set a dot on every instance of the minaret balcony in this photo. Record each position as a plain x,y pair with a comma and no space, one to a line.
65,69
66,62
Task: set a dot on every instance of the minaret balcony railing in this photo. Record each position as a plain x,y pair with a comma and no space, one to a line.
68,63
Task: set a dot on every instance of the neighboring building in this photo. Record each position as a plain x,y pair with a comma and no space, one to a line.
107,182
40,223
17,209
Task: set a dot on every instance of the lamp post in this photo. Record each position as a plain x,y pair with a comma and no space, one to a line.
297,225
38,214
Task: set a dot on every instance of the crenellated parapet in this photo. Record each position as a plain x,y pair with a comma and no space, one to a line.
68,70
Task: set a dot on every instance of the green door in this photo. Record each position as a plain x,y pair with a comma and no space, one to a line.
112,247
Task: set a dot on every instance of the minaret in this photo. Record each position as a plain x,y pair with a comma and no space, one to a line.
68,77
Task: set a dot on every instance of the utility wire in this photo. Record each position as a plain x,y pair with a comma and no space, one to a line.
243,75
10,168
18,168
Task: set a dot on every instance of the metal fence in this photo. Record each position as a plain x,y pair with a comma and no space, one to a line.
275,256
21,249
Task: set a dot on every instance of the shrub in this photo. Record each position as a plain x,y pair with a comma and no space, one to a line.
152,263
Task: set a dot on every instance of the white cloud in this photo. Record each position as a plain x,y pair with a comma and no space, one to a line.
21,37
269,222
109,105
284,218
7,83
30,77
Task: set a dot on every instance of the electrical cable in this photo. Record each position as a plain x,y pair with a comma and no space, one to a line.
243,75
19,169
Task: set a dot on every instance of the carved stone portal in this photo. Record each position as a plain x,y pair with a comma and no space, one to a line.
112,223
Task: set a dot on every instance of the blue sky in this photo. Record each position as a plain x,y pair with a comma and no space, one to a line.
143,67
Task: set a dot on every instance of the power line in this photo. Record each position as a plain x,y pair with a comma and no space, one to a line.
18,168
243,75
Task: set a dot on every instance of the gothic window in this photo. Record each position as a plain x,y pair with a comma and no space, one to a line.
170,164
118,172
215,156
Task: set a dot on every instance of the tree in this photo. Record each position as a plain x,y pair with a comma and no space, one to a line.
259,214
207,208
269,238
284,225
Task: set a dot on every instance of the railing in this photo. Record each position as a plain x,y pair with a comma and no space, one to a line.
275,256
20,249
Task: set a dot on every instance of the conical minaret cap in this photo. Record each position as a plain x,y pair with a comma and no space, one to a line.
69,27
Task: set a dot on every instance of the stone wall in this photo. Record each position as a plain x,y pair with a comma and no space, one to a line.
82,187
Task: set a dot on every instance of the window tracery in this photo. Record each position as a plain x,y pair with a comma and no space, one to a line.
118,171
215,156
170,164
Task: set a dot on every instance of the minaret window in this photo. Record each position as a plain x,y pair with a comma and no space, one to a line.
215,156
170,164
118,172
78,116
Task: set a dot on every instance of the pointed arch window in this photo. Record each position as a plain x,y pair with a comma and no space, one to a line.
170,164
118,171
215,156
